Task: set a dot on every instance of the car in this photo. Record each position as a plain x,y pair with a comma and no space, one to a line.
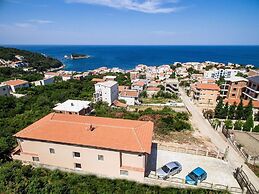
196,176
169,169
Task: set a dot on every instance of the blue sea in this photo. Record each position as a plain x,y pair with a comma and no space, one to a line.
127,57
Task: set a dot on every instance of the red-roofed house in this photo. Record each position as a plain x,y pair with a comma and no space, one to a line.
130,97
205,94
138,85
17,83
114,148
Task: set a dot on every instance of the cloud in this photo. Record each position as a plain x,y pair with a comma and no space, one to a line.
146,6
23,25
32,23
41,21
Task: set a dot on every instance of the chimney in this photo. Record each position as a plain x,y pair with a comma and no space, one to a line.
91,128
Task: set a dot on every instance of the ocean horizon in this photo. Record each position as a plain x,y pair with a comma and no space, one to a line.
128,56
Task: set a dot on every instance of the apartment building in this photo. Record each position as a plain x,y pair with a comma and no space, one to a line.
252,89
17,83
79,107
233,87
106,91
172,86
113,148
217,73
4,90
205,94
151,91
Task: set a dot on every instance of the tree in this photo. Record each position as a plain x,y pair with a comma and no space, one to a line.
240,110
228,124
225,110
248,110
220,81
219,108
249,124
143,94
232,110
238,125
256,128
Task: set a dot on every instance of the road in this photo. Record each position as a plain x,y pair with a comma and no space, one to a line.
234,159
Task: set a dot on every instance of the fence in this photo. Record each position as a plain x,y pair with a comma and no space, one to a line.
194,151
244,181
180,182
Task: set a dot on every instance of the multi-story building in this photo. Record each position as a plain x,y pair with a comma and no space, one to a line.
139,85
172,86
217,73
204,94
252,89
113,148
4,90
130,97
106,91
79,107
233,87
17,83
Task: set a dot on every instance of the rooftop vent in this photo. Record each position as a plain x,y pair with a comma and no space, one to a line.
91,128
72,104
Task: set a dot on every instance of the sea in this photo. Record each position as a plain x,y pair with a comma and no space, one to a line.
127,57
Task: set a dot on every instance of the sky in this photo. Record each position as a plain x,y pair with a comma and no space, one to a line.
130,22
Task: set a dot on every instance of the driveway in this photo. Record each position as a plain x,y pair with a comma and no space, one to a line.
219,172
235,160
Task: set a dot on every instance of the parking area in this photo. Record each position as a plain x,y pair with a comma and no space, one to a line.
219,171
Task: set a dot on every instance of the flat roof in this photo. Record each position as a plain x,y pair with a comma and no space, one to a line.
107,83
236,79
254,79
98,132
72,105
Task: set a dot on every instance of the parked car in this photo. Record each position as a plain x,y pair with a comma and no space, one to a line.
196,176
169,169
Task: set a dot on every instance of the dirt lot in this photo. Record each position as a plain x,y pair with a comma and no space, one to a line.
250,142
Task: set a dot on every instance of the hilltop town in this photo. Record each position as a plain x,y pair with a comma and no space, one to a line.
126,124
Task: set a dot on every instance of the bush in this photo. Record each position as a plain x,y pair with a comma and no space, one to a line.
238,125
228,124
256,128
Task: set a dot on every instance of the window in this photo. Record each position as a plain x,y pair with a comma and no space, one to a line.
78,165
124,172
100,157
51,150
76,154
233,94
70,113
35,159
234,89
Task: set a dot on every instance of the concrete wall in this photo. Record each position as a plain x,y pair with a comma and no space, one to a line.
111,165
129,100
4,90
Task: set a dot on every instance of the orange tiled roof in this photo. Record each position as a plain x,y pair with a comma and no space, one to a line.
15,82
139,83
153,89
110,133
97,80
245,102
129,93
207,86
122,88
119,104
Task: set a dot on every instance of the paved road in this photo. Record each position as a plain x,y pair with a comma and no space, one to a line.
235,160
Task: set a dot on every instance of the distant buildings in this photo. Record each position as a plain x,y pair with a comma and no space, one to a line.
44,81
138,85
113,148
217,73
4,90
204,94
78,107
106,92
17,83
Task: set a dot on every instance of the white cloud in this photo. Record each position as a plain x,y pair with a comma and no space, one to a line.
32,23
41,21
146,6
23,25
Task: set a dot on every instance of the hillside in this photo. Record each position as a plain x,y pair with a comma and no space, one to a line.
35,60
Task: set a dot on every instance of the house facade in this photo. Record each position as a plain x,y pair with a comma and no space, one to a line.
44,81
252,89
113,148
130,97
15,84
106,91
4,90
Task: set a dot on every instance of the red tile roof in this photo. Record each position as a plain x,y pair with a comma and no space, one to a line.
129,93
15,82
110,133
207,86
245,102
139,83
153,89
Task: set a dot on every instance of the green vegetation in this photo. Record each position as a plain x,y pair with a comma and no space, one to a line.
228,124
7,73
19,179
249,124
35,60
238,125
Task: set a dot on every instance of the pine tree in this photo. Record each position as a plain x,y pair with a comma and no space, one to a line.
232,110
248,110
219,107
240,110
249,124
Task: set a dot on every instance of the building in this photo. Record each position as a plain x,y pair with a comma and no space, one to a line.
106,91
4,90
134,75
17,83
44,81
123,88
252,89
78,107
51,74
172,86
138,85
78,77
113,148
130,97
66,77
233,87
205,95
217,73
151,91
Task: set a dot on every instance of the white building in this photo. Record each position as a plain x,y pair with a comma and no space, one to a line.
217,73
106,91
18,83
78,107
130,97
4,90
44,82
